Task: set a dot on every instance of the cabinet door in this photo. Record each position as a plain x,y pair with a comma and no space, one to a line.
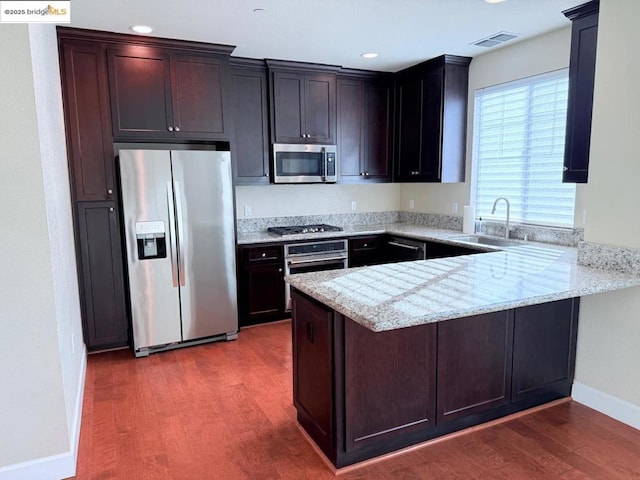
140,88
251,141
378,114
288,107
389,383
351,115
474,364
408,152
263,287
365,250
312,368
582,68
320,108
103,293
198,97
544,346
431,134
364,113
86,103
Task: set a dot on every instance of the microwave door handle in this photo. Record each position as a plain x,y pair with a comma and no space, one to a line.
324,164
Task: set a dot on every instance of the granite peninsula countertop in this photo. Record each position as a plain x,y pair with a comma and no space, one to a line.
398,295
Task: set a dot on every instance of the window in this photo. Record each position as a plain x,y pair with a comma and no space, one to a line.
519,149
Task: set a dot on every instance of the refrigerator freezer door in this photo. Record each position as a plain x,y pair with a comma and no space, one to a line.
147,197
204,213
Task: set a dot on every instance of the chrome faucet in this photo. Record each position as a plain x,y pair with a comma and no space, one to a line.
493,210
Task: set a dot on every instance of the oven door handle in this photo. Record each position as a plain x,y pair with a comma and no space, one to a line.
404,245
316,260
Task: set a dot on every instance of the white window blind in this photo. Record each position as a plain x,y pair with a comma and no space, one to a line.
519,150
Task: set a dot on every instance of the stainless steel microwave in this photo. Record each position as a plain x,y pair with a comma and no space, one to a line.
304,163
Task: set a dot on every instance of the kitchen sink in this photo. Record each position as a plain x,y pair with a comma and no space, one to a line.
484,240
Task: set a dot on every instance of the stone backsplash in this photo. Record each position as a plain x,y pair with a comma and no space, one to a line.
558,236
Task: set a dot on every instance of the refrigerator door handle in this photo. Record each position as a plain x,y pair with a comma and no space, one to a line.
172,235
181,239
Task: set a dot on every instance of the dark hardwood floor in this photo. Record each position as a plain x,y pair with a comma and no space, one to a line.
224,411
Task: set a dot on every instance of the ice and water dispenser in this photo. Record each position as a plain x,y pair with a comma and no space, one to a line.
151,239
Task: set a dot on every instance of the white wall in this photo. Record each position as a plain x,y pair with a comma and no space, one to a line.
42,354
609,334
53,153
287,200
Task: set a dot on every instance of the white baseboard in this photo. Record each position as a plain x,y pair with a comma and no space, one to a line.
54,467
614,407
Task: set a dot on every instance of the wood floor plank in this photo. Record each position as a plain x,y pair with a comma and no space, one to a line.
224,411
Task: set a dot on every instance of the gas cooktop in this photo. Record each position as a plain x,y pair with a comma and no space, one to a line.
298,229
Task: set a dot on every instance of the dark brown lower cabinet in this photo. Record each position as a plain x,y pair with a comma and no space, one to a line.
360,394
260,284
105,313
312,369
383,400
474,364
544,349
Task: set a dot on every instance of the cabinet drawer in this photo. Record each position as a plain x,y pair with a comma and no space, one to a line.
364,244
270,254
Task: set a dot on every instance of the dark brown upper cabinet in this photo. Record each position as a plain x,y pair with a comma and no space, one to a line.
365,128
86,105
303,102
250,144
582,69
159,93
431,118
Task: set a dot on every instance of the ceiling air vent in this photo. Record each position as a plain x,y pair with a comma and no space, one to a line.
495,39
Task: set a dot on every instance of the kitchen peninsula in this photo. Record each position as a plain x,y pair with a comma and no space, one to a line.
392,355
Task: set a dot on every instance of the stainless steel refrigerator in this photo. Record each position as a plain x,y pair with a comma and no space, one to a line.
180,239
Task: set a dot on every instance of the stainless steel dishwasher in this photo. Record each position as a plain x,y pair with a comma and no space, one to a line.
400,249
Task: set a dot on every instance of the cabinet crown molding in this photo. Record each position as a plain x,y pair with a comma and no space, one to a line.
298,66
141,40
582,10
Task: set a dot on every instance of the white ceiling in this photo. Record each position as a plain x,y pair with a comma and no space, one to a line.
402,32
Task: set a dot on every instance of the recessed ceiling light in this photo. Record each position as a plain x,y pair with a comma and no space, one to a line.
494,1
141,28
369,55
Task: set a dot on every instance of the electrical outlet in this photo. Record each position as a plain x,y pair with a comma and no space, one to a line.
412,204
73,343
454,207
353,205
247,210
584,217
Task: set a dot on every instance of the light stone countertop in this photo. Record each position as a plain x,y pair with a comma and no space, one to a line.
398,295
404,229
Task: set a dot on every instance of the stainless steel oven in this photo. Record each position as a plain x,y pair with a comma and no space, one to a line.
313,257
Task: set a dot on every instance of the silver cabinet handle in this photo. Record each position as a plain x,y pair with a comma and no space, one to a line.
177,129
172,235
170,129
111,209
110,191
181,239
565,169
279,270
264,254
